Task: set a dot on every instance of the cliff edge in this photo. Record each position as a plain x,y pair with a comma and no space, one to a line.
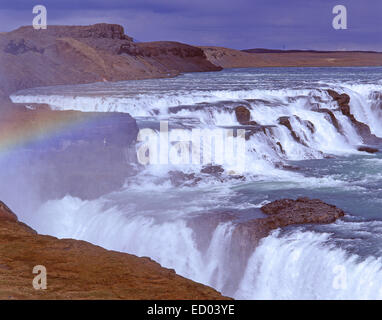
80,270
83,54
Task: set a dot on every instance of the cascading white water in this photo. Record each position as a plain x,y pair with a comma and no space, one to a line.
302,265
299,265
274,145
366,105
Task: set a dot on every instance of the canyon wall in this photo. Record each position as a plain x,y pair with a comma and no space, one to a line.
82,54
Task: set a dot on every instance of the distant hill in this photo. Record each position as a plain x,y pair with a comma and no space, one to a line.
263,50
231,58
102,52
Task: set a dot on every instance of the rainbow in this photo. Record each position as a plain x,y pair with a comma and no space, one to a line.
22,128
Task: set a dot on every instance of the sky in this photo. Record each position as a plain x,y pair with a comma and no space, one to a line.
239,24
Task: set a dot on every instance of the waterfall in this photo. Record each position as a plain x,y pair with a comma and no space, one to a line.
299,264
177,214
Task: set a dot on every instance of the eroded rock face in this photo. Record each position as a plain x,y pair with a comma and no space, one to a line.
332,117
285,121
212,169
80,270
21,46
84,54
302,210
342,99
96,31
368,149
285,212
243,116
363,129
6,213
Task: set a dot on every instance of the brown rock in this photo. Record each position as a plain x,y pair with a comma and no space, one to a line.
243,116
6,213
363,129
342,99
368,149
312,210
84,54
80,270
285,212
280,146
301,211
332,117
285,121
214,170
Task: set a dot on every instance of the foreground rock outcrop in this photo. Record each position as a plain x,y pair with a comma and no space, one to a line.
80,270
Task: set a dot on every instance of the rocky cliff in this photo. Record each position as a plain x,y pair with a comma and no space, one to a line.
80,270
83,54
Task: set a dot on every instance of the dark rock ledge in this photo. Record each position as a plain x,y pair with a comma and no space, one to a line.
368,149
285,212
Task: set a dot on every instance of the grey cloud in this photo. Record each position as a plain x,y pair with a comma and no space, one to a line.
240,24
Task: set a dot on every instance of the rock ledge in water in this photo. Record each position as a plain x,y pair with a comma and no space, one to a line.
285,212
368,149
243,116
303,210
